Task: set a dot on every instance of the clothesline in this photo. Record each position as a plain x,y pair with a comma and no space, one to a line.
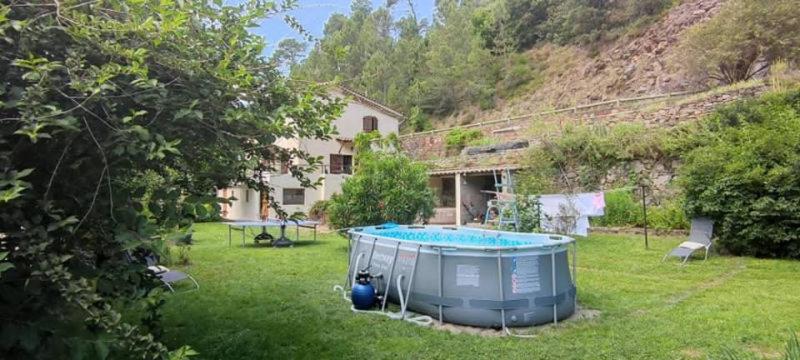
625,188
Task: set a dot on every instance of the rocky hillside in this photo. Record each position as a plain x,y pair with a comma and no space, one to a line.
639,63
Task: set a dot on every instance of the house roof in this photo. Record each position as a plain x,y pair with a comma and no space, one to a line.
371,102
475,170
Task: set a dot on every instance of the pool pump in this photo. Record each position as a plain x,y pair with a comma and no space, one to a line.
363,293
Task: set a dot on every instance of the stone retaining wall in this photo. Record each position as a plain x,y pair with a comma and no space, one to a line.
661,112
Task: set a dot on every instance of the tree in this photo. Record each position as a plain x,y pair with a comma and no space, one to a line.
418,121
386,186
94,96
368,50
742,40
288,53
524,18
459,70
746,176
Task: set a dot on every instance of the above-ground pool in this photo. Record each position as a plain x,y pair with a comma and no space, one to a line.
469,276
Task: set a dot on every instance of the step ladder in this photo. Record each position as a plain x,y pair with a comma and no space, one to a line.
506,203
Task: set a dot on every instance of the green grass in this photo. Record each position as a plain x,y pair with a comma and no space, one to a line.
259,303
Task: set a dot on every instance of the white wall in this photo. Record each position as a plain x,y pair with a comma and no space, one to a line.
286,181
348,126
351,122
246,207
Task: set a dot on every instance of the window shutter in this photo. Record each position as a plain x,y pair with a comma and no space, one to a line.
370,123
347,164
367,123
337,163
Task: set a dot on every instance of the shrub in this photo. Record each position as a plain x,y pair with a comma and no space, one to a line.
539,175
592,151
318,210
746,176
669,214
642,8
418,120
624,208
529,210
742,40
518,76
458,138
385,187
118,121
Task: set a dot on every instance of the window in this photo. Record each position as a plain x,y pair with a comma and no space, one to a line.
447,196
370,123
294,196
284,167
341,164
247,195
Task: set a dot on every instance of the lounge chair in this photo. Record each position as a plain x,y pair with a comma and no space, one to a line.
167,276
699,238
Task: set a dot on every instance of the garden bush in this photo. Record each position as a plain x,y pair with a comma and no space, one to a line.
458,138
624,208
742,41
592,151
318,210
386,186
118,121
746,176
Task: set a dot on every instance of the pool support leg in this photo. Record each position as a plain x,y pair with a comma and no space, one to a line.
502,291
553,273
575,274
351,254
389,278
371,251
355,270
441,285
410,283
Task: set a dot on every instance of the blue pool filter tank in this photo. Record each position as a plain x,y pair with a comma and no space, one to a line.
363,293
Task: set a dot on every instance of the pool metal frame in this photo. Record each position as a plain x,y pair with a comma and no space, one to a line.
559,242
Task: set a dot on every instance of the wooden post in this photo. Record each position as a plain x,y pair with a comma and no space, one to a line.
458,198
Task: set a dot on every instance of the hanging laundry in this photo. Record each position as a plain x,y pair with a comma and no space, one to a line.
569,213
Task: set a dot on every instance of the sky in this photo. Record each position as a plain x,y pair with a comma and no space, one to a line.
312,15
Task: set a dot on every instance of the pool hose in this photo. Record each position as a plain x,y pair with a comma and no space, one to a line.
421,320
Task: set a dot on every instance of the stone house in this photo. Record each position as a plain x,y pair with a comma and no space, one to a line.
361,114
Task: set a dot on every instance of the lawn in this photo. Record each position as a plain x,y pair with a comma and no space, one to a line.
259,303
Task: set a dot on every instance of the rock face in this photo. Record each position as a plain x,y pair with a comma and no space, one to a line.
639,65
629,66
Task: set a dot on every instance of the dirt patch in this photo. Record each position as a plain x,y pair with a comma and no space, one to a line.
763,352
692,353
581,314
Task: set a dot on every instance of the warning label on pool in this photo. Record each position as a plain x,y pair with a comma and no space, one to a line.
468,275
525,275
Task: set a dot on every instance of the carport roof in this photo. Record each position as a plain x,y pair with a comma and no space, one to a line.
476,163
